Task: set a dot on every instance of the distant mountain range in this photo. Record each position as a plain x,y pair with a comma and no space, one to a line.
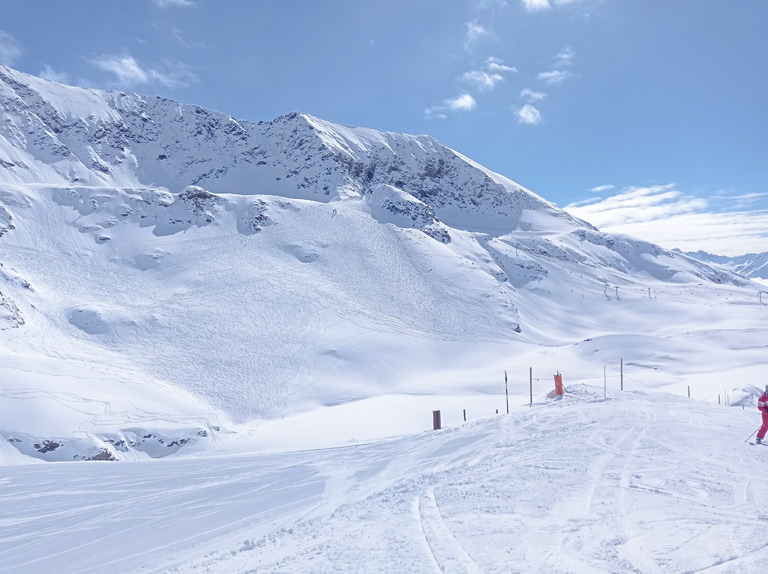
167,271
752,265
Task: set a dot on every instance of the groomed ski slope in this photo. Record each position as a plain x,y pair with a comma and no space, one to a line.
637,482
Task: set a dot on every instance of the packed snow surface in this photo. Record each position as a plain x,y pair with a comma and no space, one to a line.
618,482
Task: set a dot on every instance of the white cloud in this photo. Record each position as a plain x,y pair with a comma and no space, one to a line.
665,215
461,103
601,188
10,48
532,96
464,102
128,72
528,115
554,77
173,3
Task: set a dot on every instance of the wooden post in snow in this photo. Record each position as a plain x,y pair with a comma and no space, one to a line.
436,422
622,374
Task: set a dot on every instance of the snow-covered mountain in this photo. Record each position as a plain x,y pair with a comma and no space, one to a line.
752,265
170,276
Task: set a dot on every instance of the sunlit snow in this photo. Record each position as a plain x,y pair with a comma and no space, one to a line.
255,323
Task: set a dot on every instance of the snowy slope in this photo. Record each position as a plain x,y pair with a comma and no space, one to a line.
172,279
637,482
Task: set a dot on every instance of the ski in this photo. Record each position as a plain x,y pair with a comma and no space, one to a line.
759,443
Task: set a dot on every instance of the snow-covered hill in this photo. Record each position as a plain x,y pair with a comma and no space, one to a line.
172,278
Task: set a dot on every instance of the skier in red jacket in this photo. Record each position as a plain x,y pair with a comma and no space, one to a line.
762,404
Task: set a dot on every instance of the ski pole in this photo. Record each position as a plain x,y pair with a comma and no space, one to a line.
753,433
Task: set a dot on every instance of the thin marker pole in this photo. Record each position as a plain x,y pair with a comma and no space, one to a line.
506,390
622,374
531,379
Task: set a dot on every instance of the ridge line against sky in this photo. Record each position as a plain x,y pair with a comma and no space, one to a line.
641,118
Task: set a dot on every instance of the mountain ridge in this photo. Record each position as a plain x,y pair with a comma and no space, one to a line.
751,265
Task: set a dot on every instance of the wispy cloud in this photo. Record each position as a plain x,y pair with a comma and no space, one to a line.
483,4
497,65
49,73
173,3
481,79
462,103
564,57
475,31
539,5
128,72
528,114
665,215
488,76
532,96
536,5
10,48
554,77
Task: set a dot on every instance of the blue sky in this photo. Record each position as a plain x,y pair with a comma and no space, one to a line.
642,116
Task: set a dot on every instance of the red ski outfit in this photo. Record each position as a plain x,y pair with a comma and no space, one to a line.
762,404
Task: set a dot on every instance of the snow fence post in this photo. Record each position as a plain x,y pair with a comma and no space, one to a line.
436,422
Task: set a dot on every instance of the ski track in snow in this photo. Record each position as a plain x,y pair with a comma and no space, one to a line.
636,483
